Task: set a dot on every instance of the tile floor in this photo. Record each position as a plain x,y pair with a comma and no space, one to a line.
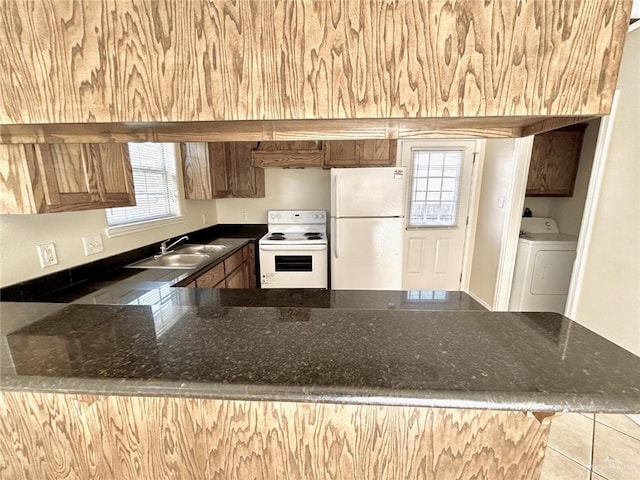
593,447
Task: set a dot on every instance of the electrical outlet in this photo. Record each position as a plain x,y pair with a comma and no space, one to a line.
243,217
92,244
47,254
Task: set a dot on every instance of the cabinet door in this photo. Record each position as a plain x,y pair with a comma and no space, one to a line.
233,262
18,170
236,278
219,164
554,163
376,153
361,153
211,277
84,176
68,177
204,167
246,181
114,176
340,153
250,262
196,171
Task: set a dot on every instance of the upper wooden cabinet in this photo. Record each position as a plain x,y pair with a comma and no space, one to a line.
361,153
114,61
554,162
220,170
64,177
288,154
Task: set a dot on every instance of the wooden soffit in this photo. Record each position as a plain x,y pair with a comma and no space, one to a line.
507,66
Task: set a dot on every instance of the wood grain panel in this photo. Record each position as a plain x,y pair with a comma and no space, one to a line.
114,174
196,170
45,435
236,279
288,154
150,61
211,277
246,181
222,184
233,262
554,162
16,194
496,127
287,158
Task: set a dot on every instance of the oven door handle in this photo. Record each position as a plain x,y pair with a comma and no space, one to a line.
292,248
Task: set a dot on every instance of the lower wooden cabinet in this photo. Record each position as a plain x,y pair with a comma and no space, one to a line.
212,277
236,271
57,177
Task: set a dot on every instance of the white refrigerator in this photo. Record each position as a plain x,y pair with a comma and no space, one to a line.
367,221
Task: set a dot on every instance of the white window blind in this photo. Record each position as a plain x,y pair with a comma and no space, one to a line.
435,188
154,179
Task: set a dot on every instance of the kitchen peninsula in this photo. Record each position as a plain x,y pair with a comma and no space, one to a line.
295,384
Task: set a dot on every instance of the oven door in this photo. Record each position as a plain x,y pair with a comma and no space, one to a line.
293,266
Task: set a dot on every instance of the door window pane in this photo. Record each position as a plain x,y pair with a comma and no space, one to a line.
435,188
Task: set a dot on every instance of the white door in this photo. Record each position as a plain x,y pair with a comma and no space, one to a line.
438,176
366,253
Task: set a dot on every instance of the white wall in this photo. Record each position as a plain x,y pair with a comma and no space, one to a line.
19,235
497,177
607,290
539,206
285,188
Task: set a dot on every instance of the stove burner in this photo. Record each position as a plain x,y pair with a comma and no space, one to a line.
312,234
272,237
313,237
277,234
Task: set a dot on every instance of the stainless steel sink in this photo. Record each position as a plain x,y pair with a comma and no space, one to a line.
206,249
186,261
189,256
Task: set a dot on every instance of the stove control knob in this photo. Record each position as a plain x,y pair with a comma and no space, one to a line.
315,215
278,216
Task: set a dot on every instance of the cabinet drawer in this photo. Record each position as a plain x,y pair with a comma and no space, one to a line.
233,262
211,277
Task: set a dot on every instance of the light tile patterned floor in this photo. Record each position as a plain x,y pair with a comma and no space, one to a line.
582,447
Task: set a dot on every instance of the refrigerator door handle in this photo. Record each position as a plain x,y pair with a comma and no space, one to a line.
336,197
337,242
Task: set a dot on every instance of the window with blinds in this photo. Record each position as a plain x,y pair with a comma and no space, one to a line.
435,188
154,178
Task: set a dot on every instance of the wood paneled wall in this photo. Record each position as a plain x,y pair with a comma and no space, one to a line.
46,435
64,61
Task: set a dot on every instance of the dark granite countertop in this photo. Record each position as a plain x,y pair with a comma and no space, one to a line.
316,345
115,330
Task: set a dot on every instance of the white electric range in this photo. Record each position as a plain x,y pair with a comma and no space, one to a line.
293,254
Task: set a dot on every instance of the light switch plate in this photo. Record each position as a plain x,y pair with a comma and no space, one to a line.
92,244
47,254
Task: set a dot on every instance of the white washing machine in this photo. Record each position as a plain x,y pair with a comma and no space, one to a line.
544,264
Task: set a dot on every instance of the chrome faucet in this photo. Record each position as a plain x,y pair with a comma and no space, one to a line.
164,248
